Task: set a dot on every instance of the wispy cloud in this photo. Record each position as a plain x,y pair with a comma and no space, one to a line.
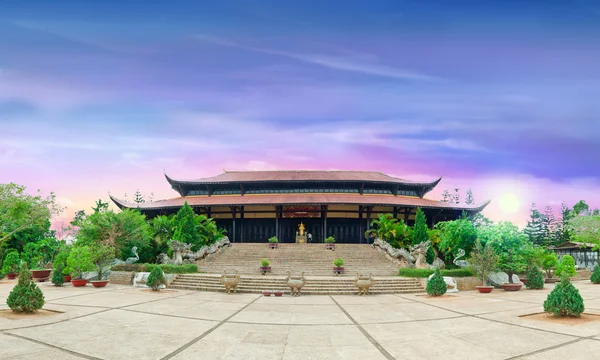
331,62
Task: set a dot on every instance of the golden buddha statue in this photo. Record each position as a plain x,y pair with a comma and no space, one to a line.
301,229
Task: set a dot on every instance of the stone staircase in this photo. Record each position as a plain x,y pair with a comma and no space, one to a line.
315,285
313,259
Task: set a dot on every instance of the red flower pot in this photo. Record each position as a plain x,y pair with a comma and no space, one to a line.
330,246
272,245
11,276
265,269
338,270
278,293
266,293
99,283
484,289
523,280
41,275
511,287
78,283
67,278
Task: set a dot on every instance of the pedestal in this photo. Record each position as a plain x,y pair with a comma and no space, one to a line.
301,239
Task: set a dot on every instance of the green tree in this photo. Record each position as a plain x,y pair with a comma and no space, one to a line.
595,278
536,228
163,232
551,227
549,263
535,278
510,244
79,262
455,235
483,260
585,228
26,296
24,217
420,228
186,227
11,262
101,256
564,300
156,278
122,231
436,286
391,230
581,208
566,267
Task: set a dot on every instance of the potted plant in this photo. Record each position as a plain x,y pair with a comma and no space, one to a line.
60,262
273,242
11,264
549,263
267,292
278,292
79,263
102,255
330,243
38,256
483,260
338,266
264,268
511,262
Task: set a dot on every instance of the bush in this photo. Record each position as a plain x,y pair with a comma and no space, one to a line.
173,269
60,261
273,240
264,262
11,262
564,300
339,262
57,277
329,240
566,267
156,279
423,273
436,286
79,262
535,278
26,295
549,263
595,278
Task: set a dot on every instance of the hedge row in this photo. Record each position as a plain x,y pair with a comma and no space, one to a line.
166,268
423,273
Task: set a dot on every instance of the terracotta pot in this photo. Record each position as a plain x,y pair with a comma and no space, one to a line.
265,269
11,276
484,289
278,293
551,280
78,283
523,280
99,283
267,293
511,287
41,275
273,245
330,246
338,270
67,278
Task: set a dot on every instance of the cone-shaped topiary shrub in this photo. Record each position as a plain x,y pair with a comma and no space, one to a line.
595,278
57,276
156,278
564,300
436,286
535,278
26,295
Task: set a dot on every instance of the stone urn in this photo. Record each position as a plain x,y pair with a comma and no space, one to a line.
363,283
295,282
230,281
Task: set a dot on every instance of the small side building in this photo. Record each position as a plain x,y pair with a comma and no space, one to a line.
583,253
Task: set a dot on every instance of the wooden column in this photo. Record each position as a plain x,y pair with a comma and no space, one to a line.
233,215
241,223
406,215
369,209
360,224
208,212
395,212
277,216
324,217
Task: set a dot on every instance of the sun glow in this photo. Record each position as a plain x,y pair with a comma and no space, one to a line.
509,203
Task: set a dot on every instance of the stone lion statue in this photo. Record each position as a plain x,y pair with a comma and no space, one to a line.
363,283
295,282
230,281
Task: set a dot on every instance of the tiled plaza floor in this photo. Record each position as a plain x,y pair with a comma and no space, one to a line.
122,322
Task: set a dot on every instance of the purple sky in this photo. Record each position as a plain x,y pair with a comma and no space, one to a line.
499,97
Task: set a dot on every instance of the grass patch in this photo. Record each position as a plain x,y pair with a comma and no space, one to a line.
424,273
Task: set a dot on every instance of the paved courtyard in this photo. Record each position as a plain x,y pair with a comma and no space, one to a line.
122,322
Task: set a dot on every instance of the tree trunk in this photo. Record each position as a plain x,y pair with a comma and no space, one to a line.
510,277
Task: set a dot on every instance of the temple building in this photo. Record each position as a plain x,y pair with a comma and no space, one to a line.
255,205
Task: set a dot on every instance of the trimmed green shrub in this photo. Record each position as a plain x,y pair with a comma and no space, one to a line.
436,286
57,276
273,239
173,269
79,262
329,240
60,261
595,278
264,262
423,273
564,300
130,267
11,262
26,296
535,278
339,262
566,267
156,279
549,263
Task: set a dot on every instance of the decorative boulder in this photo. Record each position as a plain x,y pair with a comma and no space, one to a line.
498,278
451,284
